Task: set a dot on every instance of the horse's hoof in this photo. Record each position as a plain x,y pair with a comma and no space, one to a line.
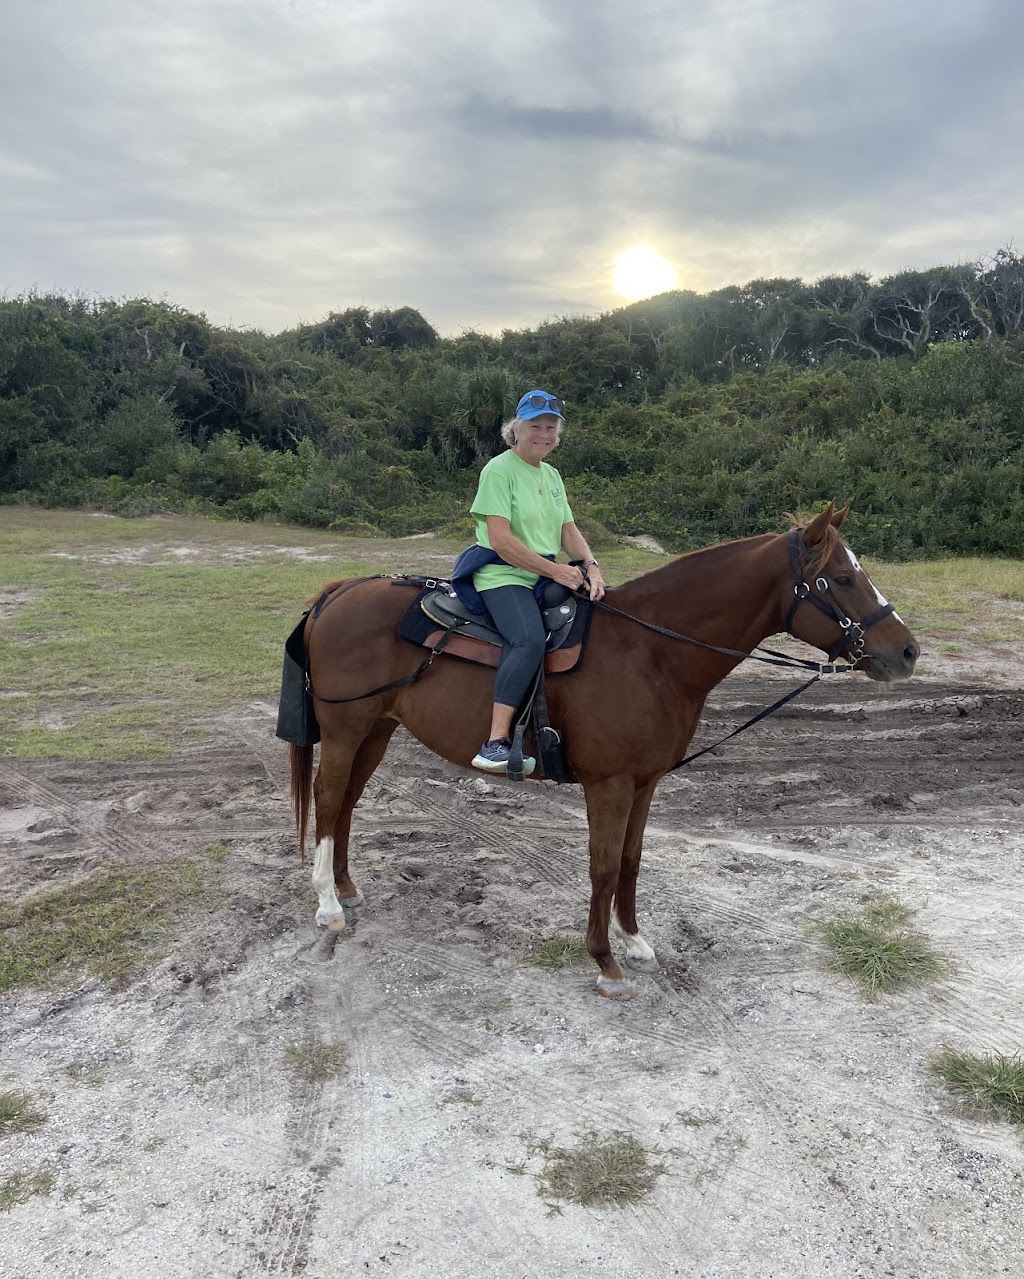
352,902
621,991
333,922
642,963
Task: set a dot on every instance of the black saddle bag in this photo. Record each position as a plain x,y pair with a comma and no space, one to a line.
296,717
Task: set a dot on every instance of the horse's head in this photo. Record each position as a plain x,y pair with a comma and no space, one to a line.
834,605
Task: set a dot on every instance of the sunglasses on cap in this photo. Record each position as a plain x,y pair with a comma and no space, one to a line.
546,402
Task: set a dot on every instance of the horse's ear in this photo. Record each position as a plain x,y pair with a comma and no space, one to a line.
838,516
815,531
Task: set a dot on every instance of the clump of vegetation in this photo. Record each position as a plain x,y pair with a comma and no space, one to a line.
107,925
18,1113
460,1097
199,1073
990,1083
216,852
721,410
20,1187
314,1061
603,1168
879,950
85,1073
557,952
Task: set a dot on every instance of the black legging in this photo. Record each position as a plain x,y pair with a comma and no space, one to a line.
516,614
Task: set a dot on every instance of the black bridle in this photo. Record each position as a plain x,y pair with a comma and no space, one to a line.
851,642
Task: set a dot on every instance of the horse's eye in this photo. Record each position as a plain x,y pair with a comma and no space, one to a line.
844,582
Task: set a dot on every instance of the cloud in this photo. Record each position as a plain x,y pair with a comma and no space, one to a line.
271,160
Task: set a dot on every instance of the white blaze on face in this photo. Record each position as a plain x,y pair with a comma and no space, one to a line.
856,565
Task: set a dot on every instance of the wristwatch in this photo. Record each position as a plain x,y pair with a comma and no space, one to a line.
591,564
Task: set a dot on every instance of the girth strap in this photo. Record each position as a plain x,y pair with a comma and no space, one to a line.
328,597
395,683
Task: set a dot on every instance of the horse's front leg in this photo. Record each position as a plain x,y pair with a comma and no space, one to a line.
639,955
609,804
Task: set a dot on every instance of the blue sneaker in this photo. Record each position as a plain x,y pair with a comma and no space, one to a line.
492,757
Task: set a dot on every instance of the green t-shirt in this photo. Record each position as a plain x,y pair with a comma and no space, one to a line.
532,499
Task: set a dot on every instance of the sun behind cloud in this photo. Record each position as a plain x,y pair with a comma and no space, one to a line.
641,272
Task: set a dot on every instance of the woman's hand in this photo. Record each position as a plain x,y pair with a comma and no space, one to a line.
597,586
567,575
572,577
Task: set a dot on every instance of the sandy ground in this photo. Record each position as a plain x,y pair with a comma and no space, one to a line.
800,1128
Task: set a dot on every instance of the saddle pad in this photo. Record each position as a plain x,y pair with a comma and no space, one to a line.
419,629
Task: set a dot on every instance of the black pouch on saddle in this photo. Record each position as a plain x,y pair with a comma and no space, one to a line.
296,718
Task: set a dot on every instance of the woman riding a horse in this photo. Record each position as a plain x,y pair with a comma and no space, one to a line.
523,520
627,711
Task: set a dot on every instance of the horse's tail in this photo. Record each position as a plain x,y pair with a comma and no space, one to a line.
301,760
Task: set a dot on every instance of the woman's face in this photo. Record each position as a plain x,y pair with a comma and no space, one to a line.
537,438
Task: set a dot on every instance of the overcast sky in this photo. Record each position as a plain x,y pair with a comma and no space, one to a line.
268,161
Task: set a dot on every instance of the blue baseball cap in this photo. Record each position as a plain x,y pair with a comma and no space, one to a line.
537,403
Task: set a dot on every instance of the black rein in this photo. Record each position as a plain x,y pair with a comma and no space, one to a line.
851,641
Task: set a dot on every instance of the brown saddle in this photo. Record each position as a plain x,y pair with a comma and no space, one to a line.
472,636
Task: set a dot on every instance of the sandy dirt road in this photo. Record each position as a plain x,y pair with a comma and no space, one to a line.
800,1128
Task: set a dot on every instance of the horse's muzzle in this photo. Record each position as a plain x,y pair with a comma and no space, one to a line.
892,664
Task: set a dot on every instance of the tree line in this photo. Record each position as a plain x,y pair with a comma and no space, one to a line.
693,417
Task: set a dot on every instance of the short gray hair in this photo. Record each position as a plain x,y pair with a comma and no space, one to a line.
508,431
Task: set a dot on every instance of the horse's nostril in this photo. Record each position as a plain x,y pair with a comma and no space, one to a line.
912,652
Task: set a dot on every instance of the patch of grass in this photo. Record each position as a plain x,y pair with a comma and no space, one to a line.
20,1187
990,1083
314,1061
460,1097
200,1074
216,852
107,925
18,1113
608,1168
712,1164
691,1119
962,598
1007,633
879,950
557,952
107,735
82,1072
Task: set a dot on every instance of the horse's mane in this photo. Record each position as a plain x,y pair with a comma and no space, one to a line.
828,543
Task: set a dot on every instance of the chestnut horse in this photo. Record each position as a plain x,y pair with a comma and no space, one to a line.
627,711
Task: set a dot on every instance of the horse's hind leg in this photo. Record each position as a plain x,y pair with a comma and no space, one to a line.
338,752
639,955
368,756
